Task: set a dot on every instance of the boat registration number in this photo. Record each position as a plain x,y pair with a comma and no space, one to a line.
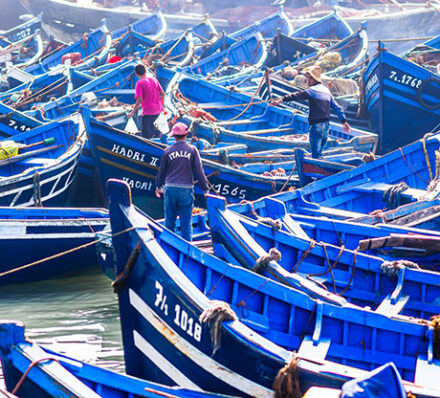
181,318
227,190
404,79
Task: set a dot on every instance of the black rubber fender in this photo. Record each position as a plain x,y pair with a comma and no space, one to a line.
420,91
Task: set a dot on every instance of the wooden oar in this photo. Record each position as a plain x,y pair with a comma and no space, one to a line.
47,141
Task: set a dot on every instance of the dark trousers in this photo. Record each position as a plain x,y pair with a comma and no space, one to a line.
148,129
318,135
179,202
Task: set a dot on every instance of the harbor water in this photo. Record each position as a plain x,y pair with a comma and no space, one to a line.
77,316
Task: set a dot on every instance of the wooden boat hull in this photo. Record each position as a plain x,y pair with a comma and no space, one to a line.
28,235
403,100
58,375
47,177
135,160
240,118
245,362
359,278
67,13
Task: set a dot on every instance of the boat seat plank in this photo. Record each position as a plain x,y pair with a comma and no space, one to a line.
240,122
316,352
427,372
389,307
315,346
370,186
258,322
119,91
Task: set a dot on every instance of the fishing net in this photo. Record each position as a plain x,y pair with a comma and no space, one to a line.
8,149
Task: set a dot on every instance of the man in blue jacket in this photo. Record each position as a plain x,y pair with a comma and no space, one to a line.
320,103
179,163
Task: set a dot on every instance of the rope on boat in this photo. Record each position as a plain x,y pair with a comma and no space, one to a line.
412,168
14,46
435,323
73,250
242,303
24,375
425,151
288,178
342,292
121,280
392,196
330,266
264,260
218,312
391,268
274,224
286,383
305,254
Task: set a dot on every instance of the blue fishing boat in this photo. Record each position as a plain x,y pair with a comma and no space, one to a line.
310,169
118,154
170,291
23,52
402,99
398,178
41,164
267,27
13,121
384,382
220,115
43,243
55,375
247,54
91,50
20,32
332,26
388,287
39,89
154,26
177,51
434,42
119,82
204,34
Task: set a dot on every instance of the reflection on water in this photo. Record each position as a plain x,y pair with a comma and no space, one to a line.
77,316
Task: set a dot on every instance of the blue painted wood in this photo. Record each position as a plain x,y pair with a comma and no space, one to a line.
362,189
360,278
154,26
20,32
383,382
13,122
267,27
242,119
434,42
331,24
118,154
171,278
94,48
56,166
28,235
251,50
402,100
58,375
40,89
177,51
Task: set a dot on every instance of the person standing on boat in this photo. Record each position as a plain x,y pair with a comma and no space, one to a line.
179,163
150,96
320,103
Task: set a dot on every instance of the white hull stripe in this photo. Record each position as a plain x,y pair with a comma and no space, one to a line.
211,366
162,363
